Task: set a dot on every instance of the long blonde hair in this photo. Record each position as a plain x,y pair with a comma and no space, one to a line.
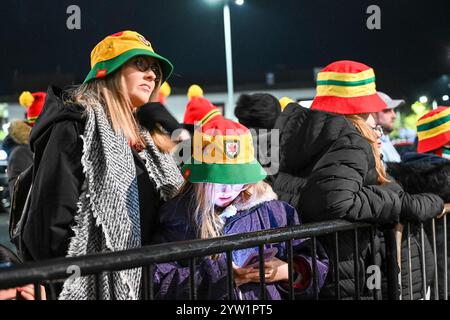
205,216
110,92
367,132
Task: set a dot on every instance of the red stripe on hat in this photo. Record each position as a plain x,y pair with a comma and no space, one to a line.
117,34
354,105
433,112
345,66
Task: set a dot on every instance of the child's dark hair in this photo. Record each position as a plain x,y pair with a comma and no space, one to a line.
258,110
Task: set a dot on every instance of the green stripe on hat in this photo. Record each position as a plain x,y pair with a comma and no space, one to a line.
245,173
345,83
433,124
111,65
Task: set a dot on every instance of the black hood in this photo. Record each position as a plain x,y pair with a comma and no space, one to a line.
54,111
422,172
305,135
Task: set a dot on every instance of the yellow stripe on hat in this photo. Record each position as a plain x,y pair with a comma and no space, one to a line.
434,132
211,149
111,47
209,116
434,117
346,92
363,75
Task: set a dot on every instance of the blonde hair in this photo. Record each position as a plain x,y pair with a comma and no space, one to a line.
110,92
367,132
205,217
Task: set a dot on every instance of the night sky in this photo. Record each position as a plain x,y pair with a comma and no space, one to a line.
410,54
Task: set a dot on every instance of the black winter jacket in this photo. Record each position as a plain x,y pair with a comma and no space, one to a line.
58,178
327,171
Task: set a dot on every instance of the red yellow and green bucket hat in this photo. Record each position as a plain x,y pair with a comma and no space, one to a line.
433,129
223,153
347,87
116,49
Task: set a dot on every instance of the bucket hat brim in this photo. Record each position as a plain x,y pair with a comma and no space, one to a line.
104,68
244,173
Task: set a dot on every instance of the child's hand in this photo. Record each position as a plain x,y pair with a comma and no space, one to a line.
246,275
274,269
277,270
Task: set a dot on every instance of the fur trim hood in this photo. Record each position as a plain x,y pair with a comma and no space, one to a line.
265,195
20,131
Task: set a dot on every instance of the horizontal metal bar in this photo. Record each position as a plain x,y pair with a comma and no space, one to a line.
165,252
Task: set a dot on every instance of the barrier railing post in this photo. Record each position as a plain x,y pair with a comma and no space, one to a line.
151,287
37,291
436,276
262,274
374,262
356,263
314,269
290,256
230,274
408,237
192,287
423,271
445,260
146,283
336,266
391,265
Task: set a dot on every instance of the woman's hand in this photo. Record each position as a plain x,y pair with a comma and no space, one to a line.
445,211
21,293
27,292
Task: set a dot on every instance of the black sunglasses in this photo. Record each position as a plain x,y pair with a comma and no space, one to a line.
145,65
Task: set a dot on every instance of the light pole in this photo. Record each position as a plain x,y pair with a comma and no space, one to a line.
228,57
228,54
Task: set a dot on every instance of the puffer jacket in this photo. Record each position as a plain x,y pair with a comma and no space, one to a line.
327,171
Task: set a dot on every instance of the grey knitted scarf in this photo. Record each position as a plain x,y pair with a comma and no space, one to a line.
108,216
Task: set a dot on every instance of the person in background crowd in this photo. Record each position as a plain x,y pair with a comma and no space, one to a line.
155,115
386,118
100,176
21,156
284,101
199,110
224,194
429,171
259,112
331,168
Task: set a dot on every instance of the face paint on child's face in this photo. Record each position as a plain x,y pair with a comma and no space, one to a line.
225,193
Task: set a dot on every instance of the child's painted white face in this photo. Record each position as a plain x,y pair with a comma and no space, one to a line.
225,193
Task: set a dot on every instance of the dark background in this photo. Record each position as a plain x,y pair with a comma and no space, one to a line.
410,54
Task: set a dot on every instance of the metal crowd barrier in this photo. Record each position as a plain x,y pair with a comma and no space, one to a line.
146,257
440,255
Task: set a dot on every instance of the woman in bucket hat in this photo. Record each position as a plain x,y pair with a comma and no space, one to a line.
224,194
330,165
100,177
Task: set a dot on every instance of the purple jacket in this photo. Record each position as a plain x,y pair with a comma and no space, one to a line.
171,280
